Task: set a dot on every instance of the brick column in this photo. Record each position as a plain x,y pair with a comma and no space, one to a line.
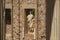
16,20
41,19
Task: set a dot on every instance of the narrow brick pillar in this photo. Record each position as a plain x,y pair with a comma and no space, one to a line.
16,34
41,19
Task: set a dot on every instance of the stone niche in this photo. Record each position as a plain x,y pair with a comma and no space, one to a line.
23,7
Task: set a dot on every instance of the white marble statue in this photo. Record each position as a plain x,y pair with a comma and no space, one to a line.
30,21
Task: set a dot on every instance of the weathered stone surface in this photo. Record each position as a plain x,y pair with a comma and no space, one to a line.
41,20
18,17
8,32
16,20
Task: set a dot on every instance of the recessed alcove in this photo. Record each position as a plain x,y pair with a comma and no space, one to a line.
29,23
8,16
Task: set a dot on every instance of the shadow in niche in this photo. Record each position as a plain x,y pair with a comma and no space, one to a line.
49,16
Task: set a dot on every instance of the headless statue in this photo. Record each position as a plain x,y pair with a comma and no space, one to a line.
30,21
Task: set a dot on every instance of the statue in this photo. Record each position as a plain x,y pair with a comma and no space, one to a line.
30,21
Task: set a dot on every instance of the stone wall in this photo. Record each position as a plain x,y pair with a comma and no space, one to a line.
18,18
8,30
